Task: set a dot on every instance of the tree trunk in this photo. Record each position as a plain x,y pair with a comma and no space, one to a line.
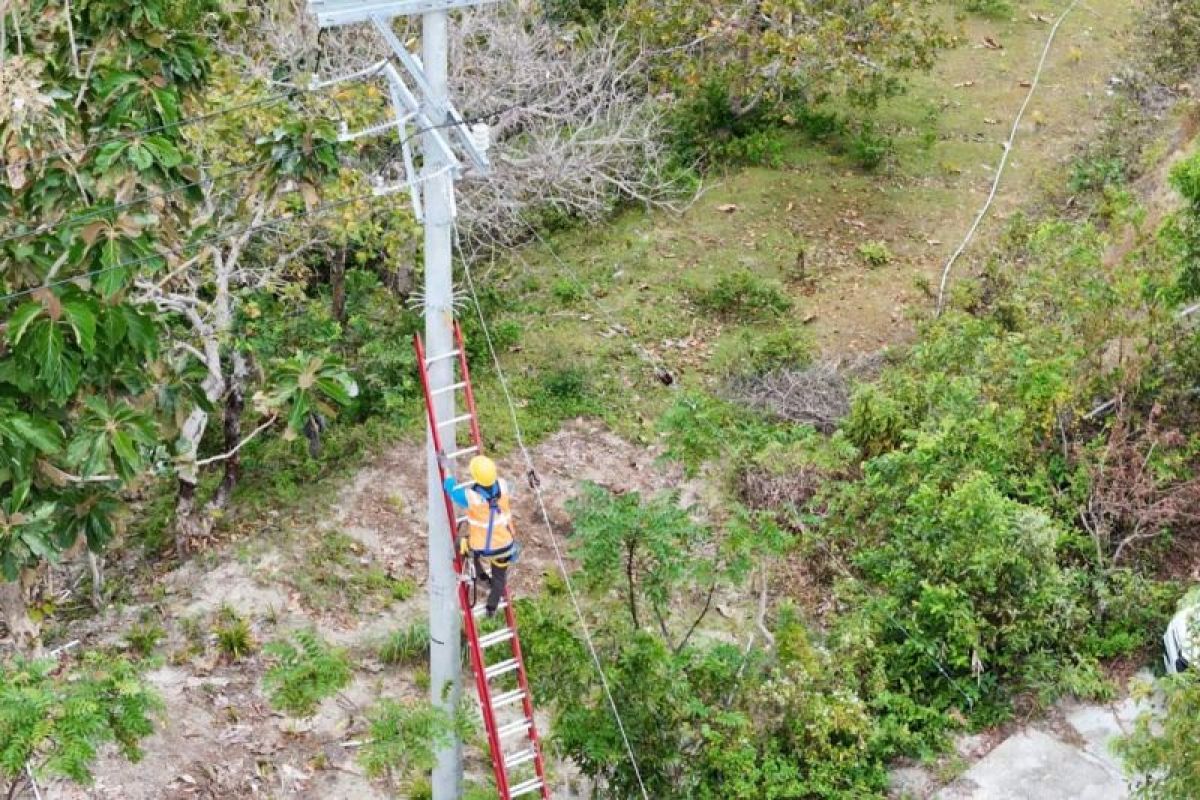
337,282
25,633
235,403
189,523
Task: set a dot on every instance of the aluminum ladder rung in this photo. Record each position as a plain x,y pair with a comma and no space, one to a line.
519,758
497,637
513,728
528,787
479,611
463,452
507,699
451,388
442,357
456,420
501,668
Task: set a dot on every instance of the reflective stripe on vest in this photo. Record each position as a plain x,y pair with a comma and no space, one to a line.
490,531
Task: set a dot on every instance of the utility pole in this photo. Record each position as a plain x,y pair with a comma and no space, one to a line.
428,110
445,622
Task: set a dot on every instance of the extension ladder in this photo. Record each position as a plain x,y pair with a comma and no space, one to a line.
498,698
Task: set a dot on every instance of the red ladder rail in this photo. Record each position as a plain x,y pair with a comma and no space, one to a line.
504,765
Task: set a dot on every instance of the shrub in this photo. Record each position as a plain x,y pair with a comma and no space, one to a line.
1185,178
403,738
868,148
875,254
1089,174
996,9
305,671
742,295
57,719
567,292
559,393
758,350
1161,750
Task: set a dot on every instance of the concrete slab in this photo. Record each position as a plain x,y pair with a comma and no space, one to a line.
1101,725
1033,765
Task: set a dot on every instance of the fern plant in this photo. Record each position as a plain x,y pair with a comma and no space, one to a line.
403,738
305,672
55,721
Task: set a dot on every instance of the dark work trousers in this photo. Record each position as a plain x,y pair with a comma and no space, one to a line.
498,577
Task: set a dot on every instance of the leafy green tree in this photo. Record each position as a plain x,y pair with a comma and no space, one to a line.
1161,750
75,393
53,721
708,719
1185,230
735,66
646,547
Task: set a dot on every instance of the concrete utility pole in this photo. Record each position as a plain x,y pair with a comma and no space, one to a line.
428,110
445,622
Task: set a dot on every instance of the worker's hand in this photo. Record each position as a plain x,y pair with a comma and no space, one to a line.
464,547
444,462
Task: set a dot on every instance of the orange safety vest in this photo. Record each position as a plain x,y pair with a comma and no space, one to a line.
490,528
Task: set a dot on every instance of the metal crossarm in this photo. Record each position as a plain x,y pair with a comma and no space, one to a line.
505,706
334,13
445,113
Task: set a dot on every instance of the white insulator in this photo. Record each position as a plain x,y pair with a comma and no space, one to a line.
481,136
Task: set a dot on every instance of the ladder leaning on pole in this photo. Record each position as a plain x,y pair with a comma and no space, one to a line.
499,694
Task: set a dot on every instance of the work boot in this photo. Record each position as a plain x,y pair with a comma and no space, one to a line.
490,611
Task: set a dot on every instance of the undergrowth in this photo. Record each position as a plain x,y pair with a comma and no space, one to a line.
304,671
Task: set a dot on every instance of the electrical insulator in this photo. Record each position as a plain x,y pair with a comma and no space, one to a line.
481,136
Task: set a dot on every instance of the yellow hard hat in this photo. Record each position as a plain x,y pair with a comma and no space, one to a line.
483,470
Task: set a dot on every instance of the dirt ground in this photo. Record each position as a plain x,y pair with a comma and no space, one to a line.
218,737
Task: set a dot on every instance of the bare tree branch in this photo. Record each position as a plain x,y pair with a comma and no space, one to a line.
214,459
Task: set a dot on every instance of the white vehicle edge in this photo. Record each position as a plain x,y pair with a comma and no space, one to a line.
1181,643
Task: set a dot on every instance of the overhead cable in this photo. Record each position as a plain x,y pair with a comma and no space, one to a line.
562,566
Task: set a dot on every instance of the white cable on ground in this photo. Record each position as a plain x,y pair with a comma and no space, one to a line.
562,566
1008,145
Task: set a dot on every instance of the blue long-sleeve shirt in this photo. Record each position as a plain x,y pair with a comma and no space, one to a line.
458,494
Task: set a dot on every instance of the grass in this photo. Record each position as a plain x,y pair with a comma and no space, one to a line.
847,246
407,646
336,573
234,638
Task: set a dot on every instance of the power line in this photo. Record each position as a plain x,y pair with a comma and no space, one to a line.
1008,146
512,409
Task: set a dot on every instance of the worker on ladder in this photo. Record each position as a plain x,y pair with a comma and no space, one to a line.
490,535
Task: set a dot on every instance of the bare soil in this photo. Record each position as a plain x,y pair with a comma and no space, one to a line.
218,737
